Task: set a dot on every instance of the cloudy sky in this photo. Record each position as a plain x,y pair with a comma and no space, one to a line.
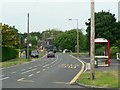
48,14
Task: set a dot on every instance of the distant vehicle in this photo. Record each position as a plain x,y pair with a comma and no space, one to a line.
35,54
50,54
66,50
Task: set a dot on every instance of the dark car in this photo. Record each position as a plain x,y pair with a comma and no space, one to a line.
35,54
50,54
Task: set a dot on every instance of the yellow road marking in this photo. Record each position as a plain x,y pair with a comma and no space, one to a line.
80,72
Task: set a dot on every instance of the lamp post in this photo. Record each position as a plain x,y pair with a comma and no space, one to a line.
28,56
77,37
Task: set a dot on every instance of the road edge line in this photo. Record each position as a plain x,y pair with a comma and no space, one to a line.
80,72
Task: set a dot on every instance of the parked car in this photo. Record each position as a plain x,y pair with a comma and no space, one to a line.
50,54
35,54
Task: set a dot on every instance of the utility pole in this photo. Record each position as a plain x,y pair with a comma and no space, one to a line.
92,43
28,56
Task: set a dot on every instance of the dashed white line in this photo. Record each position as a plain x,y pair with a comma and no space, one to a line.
38,72
30,75
46,65
44,69
25,72
4,78
35,66
20,79
34,69
30,68
13,72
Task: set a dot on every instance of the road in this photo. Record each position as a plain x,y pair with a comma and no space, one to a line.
55,72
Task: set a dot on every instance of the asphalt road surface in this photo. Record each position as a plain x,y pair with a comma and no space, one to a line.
43,73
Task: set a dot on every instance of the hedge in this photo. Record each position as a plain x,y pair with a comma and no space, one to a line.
9,53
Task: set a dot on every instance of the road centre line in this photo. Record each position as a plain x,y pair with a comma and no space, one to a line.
34,69
35,66
20,79
4,78
30,67
46,65
30,75
26,72
38,72
13,72
44,69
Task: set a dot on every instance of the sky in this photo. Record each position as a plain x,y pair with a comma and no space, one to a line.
49,14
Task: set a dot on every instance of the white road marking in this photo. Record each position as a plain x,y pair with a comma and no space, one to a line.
35,66
4,78
30,75
25,72
13,72
2,75
44,69
34,69
30,68
45,65
38,72
61,82
20,79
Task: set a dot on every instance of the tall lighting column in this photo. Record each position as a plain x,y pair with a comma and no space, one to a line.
28,56
77,37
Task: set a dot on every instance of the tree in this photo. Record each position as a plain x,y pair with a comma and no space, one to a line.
9,36
105,26
67,40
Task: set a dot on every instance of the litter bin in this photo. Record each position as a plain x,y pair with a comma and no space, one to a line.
96,63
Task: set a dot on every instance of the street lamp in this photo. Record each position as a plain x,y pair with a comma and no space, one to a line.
77,37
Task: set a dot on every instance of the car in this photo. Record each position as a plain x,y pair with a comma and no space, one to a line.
35,54
50,54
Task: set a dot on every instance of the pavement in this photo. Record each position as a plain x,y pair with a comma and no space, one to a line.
55,72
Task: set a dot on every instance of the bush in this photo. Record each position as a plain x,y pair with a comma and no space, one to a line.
113,51
9,53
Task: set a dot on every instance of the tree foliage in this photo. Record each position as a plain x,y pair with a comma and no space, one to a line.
105,26
9,36
68,40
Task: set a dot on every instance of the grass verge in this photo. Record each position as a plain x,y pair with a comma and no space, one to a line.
105,79
13,62
17,61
